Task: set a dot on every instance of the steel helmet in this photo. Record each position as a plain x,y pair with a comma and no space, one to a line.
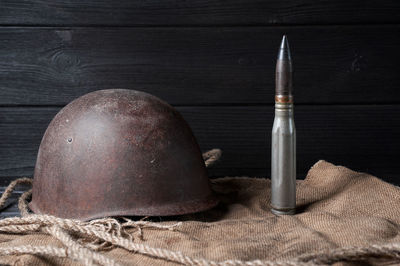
119,153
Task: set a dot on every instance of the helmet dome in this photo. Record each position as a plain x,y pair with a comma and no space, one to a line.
119,152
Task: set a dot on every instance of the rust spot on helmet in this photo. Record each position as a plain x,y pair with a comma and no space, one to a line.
128,154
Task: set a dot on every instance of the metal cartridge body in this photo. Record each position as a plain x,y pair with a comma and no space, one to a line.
283,158
283,145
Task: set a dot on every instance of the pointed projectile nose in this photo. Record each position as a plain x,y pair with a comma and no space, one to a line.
283,73
284,51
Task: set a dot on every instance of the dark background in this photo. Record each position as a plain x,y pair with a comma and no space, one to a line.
214,61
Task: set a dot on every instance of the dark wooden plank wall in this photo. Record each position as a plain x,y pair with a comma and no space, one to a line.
215,61
196,12
199,66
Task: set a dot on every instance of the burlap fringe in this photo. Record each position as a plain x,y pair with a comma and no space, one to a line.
84,241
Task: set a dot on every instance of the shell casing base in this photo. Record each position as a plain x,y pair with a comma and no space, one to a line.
279,212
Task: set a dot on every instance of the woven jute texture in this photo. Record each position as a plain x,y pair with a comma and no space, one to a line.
344,217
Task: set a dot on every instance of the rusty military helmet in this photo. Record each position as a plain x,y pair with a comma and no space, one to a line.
119,153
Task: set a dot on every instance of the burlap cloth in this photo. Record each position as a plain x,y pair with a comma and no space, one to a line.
340,212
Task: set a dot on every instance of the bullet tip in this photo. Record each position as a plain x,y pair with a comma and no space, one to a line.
284,43
284,52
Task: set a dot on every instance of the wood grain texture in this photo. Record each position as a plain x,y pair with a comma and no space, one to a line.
364,138
196,12
199,66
